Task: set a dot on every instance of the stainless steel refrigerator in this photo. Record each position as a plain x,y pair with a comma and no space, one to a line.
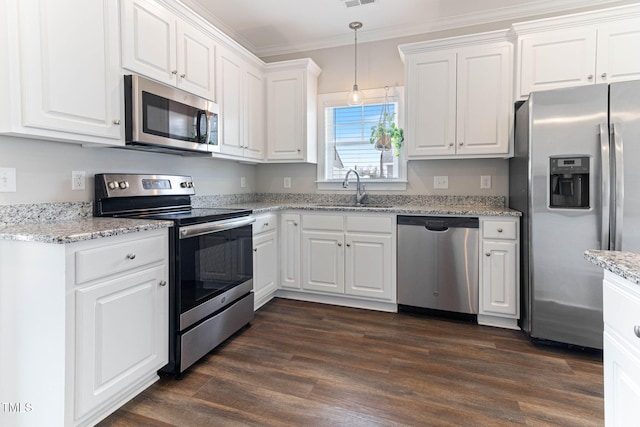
576,178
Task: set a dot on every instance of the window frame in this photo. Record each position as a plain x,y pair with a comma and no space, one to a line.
371,96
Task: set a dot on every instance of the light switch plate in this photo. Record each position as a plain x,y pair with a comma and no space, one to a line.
485,181
440,182
287,182
7,180
243,182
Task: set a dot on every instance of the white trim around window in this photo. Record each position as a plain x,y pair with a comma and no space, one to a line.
372,96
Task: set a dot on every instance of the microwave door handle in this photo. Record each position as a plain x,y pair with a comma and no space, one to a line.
619,186
199,135
605,198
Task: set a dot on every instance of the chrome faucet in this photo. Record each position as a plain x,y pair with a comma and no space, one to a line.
360,194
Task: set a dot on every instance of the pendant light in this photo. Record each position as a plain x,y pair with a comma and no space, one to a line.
355,97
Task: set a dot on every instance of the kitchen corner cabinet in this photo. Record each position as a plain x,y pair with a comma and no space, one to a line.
159,45
581,49
499,272
292,88
290,235
265,258
56,83
241,96
459,97
621,310
351,255
90,322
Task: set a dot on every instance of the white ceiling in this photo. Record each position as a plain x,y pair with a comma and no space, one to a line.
272,27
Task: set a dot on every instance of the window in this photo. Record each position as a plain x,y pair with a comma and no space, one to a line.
344,141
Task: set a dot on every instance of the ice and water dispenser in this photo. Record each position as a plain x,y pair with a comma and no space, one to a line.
569,182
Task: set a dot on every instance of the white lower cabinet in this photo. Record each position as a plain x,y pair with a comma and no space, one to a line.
499,272
265,258
290,232
89,325
621,303
351,255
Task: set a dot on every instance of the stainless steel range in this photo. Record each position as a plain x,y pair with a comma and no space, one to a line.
211,267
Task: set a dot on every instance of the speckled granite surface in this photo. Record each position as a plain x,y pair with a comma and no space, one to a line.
44,212
624,264
78,230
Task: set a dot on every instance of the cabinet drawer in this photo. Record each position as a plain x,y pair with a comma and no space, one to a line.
622,312
323,222
264,223
370,224
116,258
499,229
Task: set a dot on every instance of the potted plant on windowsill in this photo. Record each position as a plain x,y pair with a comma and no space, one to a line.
387,134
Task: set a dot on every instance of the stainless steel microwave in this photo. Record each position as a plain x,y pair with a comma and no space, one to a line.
166,119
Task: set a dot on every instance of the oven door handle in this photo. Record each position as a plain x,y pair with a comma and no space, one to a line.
215,226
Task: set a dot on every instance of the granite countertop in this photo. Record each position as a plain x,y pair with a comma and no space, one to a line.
467,210
70,231
624,264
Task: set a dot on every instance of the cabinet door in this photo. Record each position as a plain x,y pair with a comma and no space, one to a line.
484,100
556,59
254,122
265,266
323,261
121,335
230,101
290,251
195,61
621,382
617,51
149,40
498,292
431,104
286,115
368,265
70,79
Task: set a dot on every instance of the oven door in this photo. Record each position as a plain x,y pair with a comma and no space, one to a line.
215,267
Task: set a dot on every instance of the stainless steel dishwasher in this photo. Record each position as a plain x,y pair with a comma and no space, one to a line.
438,263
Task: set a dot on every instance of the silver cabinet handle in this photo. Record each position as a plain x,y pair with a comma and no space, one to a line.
590,77
451,144
603,75
174,72
163,283
266,224
636,330
116,122
131,256
499,230
339,244
182,76
460,144
295,224
255,250
487,253
348,245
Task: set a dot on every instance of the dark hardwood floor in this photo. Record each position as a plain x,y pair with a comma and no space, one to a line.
305,364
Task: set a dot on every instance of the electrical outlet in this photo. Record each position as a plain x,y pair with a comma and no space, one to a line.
485,181
78,180
287,182
243,182
440,182
7,180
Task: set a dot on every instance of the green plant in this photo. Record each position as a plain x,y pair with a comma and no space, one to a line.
387,131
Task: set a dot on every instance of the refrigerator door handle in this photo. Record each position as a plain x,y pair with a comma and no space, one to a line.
619,188
606,187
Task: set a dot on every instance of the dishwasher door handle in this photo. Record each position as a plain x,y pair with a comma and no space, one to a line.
436,229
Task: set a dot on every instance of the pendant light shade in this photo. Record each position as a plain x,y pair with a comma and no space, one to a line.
355,97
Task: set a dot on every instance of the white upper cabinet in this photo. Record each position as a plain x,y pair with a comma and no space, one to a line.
459,97
61,77
241,96
292,88
574,50
159,45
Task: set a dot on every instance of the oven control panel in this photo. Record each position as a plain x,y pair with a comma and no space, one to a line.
132,185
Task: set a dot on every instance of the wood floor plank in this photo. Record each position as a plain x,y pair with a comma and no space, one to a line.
307,364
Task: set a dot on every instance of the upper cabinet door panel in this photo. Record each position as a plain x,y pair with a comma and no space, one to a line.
617,51
556,59
431,104
196,61
484,97
285,110
149,40
69,67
